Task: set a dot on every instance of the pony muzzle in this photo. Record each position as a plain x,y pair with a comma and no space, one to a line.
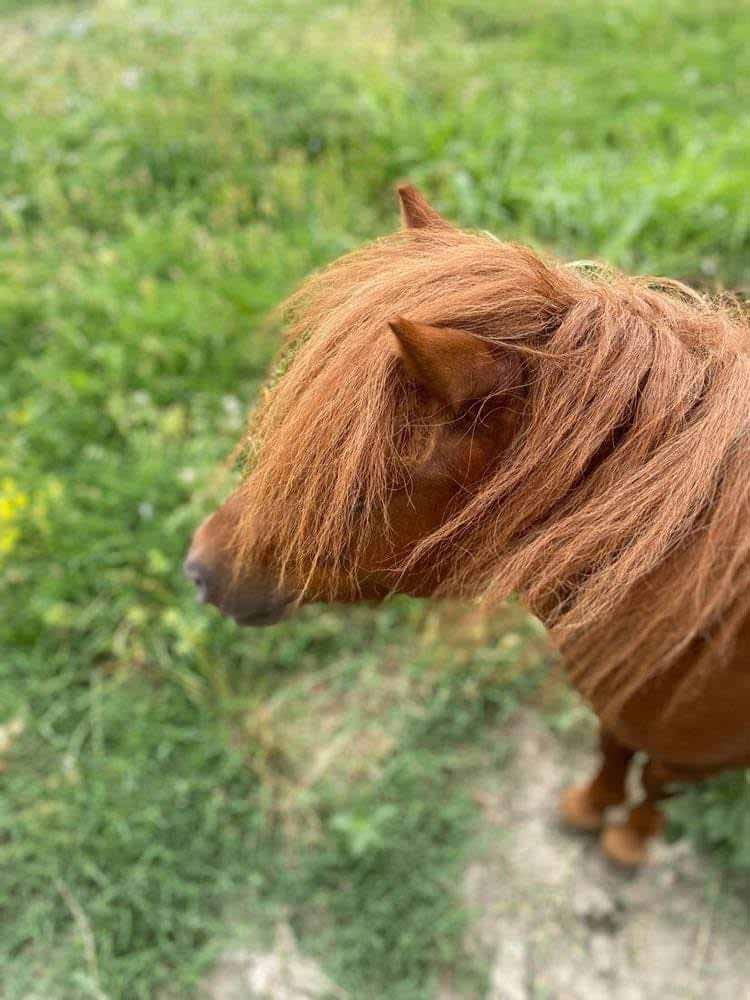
253,599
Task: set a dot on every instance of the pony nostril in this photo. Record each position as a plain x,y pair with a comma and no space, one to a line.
201,577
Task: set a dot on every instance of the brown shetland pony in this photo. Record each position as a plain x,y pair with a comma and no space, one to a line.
460,416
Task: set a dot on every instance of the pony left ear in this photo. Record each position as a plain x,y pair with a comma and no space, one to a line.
451,365
416,211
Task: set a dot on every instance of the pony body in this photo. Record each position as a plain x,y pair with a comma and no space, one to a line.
463,417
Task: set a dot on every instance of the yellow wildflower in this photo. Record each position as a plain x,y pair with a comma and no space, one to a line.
12,502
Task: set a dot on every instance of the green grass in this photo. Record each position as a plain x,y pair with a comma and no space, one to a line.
168,171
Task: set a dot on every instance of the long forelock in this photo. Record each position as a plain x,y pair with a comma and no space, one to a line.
629,479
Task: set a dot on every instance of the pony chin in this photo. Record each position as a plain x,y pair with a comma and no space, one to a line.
258,618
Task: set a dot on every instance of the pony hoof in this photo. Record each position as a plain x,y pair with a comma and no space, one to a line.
576,810
625,847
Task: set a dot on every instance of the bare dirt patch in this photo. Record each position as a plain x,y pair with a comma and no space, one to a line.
559,922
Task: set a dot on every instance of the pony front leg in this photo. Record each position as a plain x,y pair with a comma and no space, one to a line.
627,844
583,806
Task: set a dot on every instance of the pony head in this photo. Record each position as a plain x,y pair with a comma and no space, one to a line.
396,401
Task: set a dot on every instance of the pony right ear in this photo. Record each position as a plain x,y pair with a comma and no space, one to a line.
417,212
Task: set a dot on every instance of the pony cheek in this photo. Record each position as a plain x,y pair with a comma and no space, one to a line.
412,517
469,465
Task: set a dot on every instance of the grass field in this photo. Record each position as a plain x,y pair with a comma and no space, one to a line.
168,171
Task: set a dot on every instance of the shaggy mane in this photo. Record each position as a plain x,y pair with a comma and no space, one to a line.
620,512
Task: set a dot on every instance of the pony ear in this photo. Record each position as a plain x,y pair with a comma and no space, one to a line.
416,211
451,365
